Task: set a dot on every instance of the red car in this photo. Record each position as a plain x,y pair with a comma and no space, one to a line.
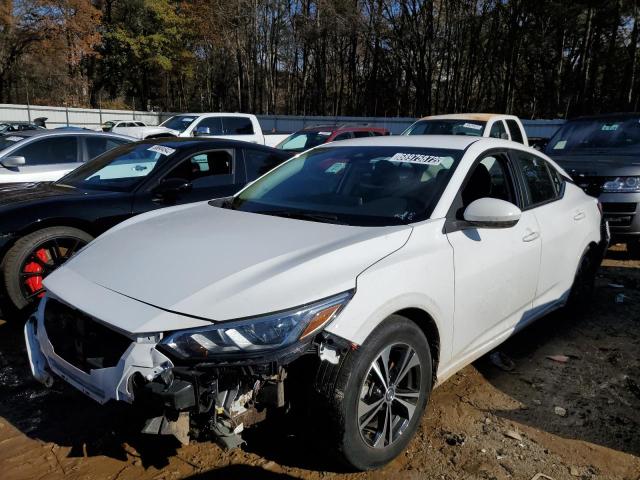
313,136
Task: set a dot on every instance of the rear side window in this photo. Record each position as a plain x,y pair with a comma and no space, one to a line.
259,162
237,126
50,151
213,124
538,181
98,145
514,129
498,131
362,134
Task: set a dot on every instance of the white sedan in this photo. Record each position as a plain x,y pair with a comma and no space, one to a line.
369,269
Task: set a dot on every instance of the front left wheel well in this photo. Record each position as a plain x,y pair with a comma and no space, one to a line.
427,324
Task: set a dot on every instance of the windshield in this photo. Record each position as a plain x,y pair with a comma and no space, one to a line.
179,122
376,186
586,136
121,169
301,141
471,128
7,141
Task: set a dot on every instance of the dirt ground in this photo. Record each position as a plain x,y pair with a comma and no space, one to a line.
578,419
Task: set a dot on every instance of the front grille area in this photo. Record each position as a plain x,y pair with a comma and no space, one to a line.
619,207
80,340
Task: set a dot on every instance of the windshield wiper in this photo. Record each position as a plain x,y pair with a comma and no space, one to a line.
303,215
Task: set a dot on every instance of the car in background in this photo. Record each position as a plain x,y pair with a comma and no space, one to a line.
109,125
493,125
346,282
234,126
37,124
602,154
46,155
313,136
43,225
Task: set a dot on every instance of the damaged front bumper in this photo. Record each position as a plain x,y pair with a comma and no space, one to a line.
114,382
225,396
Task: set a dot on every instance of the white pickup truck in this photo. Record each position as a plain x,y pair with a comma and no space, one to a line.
236,126
495,125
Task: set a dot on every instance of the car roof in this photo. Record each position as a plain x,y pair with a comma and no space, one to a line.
483,117
454,142
336,128
195,142
53,132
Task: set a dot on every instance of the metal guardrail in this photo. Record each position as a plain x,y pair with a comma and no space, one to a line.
94,118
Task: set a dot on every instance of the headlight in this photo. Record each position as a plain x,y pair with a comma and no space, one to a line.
269,332
622,184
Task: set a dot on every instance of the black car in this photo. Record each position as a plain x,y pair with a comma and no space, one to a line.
42,225
37,124
602,155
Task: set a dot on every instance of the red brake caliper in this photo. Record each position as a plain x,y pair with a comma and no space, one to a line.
34,283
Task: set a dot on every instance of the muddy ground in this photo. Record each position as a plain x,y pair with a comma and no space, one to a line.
484,423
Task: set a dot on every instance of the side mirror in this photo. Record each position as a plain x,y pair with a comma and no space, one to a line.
492,213
201,132
13,162
170,188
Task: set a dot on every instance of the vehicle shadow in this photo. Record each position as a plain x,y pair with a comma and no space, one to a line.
596,386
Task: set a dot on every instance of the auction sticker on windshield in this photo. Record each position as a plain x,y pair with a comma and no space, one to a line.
14,139
472,126
416,158
162,150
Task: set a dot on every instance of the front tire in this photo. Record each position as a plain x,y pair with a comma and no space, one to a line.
376,396
35,256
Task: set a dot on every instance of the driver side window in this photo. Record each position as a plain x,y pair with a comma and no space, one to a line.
208,169
492,178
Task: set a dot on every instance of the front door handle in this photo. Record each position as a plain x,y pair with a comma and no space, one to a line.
579,216
530,237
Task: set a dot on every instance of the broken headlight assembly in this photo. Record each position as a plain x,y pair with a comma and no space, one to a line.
256,335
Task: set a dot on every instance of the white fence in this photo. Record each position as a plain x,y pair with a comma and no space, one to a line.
78,117
93,118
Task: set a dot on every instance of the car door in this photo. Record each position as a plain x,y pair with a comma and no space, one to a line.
562,226
496,270
210,174
48,158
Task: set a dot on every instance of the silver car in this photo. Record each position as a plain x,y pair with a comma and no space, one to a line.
47,155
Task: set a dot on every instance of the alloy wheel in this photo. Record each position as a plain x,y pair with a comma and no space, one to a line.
43,260
389,395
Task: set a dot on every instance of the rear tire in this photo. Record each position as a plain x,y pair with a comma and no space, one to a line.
584,282
24,266
633,249
356,405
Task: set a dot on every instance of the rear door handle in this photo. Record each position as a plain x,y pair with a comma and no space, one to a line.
579,216
530,237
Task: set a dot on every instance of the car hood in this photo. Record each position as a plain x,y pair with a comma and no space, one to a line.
214,264
599,165
17,193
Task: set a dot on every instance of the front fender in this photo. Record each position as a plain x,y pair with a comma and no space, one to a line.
419,275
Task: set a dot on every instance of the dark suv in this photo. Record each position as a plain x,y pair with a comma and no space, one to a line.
602,154
313,136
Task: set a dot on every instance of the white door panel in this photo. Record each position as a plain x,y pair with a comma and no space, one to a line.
563,227
496,275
